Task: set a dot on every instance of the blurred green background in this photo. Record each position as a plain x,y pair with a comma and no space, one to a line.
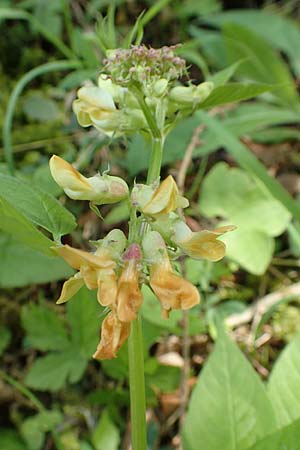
246,170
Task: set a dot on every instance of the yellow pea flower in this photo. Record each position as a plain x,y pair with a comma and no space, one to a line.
94,106
173,291
201,244
100,189
96,270
113,334
160,201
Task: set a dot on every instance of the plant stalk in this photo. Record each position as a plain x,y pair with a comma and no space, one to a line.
136,341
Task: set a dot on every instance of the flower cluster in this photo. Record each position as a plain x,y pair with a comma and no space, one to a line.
117,268
136,80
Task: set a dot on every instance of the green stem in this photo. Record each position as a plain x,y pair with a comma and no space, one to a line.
155,160
136,347
137,386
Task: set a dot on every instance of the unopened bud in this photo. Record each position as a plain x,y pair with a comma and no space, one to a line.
160,87
100,189
191,95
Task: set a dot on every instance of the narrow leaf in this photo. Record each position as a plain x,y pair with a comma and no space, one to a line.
234,92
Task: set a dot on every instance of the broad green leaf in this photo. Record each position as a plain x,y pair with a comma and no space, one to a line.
283,386
249,162
23,266
106,435
251,248
287,438
234,92
40,108
35,428
229,408
85,316
257,215
51,372
38,206
10,440
263,63
44,329
5,337
16,224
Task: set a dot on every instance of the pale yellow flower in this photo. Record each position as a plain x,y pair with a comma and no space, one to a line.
160,201
201,244
95,106
173,291
113,334
99,189
96,270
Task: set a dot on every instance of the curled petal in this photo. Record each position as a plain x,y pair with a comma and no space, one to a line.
165,199
205,244
77,258
113,334
173,291
96,97
129,297
66,176
70,288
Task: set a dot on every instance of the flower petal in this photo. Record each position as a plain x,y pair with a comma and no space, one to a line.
204,244
173,291
77,258
129,297
70,288
113,334
67,176
107,287
96,98
165,199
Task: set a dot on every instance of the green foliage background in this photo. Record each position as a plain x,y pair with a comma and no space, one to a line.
245,170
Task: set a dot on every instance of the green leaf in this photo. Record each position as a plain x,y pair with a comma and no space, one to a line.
106,435
34,429
224,75
249,162
15,223
229,408
38,206
44,329
284,384
251,248
9,440
234,92
5,337
51,372
40,108
84,315
23,266
287,438
257,215
263,63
